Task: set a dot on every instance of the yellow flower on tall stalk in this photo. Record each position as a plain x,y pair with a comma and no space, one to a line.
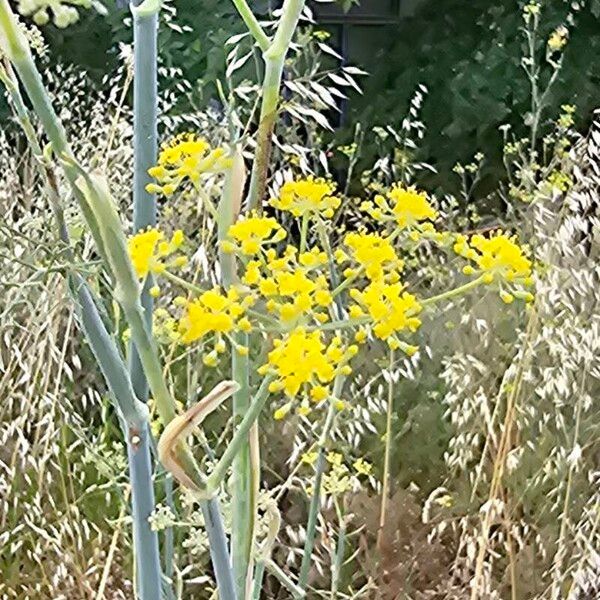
391,310
498,257
185,157
250,233
302,363
148,250
307,196
214,311
406,206
374,255
291,284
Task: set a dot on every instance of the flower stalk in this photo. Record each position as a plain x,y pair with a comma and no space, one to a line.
315,503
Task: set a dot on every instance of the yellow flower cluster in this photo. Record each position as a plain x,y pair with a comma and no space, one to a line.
498,258
291,284
218,312
374,255
390,309
340,479
405,206
308,196
148,250
186,157
250,233
302,362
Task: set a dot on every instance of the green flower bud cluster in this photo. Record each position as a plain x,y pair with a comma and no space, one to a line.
62,13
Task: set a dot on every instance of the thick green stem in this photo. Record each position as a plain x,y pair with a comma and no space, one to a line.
264,134
274,58
315,503
145,26
244,500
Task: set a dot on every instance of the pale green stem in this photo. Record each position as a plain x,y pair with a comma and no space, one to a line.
387,454
259,574
245,473
296,591
252,24
274,57
315,503
240,437
338,561
304,231
458,291
196,289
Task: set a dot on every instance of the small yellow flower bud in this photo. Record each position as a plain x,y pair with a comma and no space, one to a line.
411,350
360,336
506,297
244,325
180,261
168,189
275,386
210,360
339,405
488,278
281,412
468,270
154,291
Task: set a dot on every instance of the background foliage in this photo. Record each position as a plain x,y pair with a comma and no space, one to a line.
466,54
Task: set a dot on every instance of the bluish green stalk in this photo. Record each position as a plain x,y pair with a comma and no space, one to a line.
145,101
128,297
145,26
315,503
105,350
219,552
243,501
338,560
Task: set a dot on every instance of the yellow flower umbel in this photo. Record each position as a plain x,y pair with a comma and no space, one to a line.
307,197
291,284
218,312
303,364
249,235
373,253
405,206
498,258
186,157
149,249
390,309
